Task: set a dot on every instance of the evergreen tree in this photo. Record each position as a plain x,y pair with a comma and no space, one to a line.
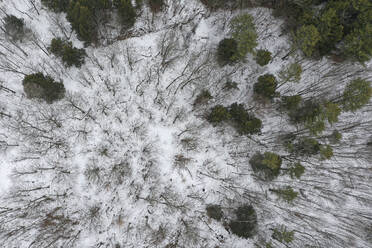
335,137
358,44
283,235
291,74
126,12
287,194
227,51
330,29
214,212
291,103
82,21
203,98
56,47
330,112
326,152
356,94
43,87
244,33
296,170
245,225
304,146
244,123
266,165
56,5
225,4
156,5
218,114
263,57
14,27
266,86
70,55
307,38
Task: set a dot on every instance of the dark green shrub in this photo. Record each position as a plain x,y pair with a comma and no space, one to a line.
244,123
245,225
43,87
266,165
227,51
214,212
156,5
219,114
14,27
263,57
266,86
203,98
70,55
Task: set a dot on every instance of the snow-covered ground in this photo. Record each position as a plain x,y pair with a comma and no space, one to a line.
126,159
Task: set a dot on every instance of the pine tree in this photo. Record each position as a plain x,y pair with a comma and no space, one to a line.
70,55
218,114
244,33
326,152
356,94
244,123
126,12
156,5
56,5
291,103
82,21
266,165
266,86
214,212
296,170
307,38
227,51
283,235
291,74
263,57
287,193
43,87
245,225
14,27
203,98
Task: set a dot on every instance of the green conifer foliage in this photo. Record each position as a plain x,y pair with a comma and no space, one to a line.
245,224
43,87
244,33
266,86
266,165
356,94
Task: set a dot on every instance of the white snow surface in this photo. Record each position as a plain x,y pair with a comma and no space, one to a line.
126,159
